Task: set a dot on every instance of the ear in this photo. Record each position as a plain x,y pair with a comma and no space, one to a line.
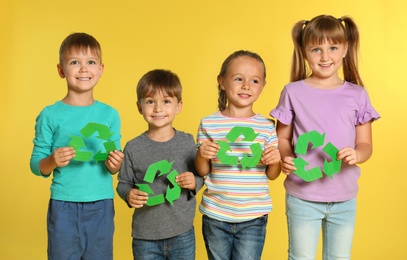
220,81
179,107
60,71
140,109
102,68
345,49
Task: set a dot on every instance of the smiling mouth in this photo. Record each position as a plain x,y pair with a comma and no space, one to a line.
158,117
325,65
84,79
244,95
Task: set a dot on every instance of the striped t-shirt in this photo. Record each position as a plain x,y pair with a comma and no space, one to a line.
235,192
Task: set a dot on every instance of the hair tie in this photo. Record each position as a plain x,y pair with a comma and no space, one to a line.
306,22
340,20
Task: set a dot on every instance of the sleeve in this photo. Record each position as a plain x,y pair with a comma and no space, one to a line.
198,179
125,177
116,128
366,112
273,139
202,133
42,142
283,112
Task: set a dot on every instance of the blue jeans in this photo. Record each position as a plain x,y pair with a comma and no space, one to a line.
305,219
80,230
181,247
226,241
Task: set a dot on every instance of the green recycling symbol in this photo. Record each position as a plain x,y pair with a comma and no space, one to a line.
78,144
232,136
172,194
317,140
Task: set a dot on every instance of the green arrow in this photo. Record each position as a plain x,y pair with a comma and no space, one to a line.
313,137
163,166
333,167
99,156
77,143
247,132
103,130
223,157
145,188
308,176
174,193
248,162
109,146
152,200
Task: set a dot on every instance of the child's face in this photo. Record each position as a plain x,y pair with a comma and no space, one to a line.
325,59
243,82
82,70
159,110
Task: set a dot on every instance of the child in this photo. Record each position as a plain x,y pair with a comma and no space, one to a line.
162,227
81,211
339,111
236,203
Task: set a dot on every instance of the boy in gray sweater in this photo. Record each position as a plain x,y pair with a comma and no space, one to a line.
158,177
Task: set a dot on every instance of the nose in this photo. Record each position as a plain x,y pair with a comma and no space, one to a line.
83,67
324,55
246,84
157,107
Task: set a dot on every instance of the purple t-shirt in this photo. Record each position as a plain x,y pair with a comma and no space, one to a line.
334,112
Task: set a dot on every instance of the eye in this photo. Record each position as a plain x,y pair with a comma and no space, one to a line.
149,101
333,48
315,50
92,62
74,62
167,101
238,79
255,81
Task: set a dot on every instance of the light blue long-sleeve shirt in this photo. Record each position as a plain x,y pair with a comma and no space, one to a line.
57,126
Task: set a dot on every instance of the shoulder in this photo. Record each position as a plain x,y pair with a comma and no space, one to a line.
103,105
294,85
213,116
181,135
356,90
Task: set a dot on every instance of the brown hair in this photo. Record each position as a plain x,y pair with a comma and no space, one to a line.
222,98
80,42
159,80
335,30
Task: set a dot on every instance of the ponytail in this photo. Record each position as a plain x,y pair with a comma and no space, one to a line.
350,62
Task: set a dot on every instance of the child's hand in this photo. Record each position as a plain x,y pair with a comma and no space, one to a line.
136,198
208,150
287,165
186,180
271,155
348,155
62,156
114,161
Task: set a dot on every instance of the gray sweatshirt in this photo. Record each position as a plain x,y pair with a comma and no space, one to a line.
163,220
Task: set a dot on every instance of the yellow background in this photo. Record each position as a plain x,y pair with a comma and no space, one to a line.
192,38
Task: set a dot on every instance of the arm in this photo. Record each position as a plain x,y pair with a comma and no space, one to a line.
285,137
271,157
206,151
363,146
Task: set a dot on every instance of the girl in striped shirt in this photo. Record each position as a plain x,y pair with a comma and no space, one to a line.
237,154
